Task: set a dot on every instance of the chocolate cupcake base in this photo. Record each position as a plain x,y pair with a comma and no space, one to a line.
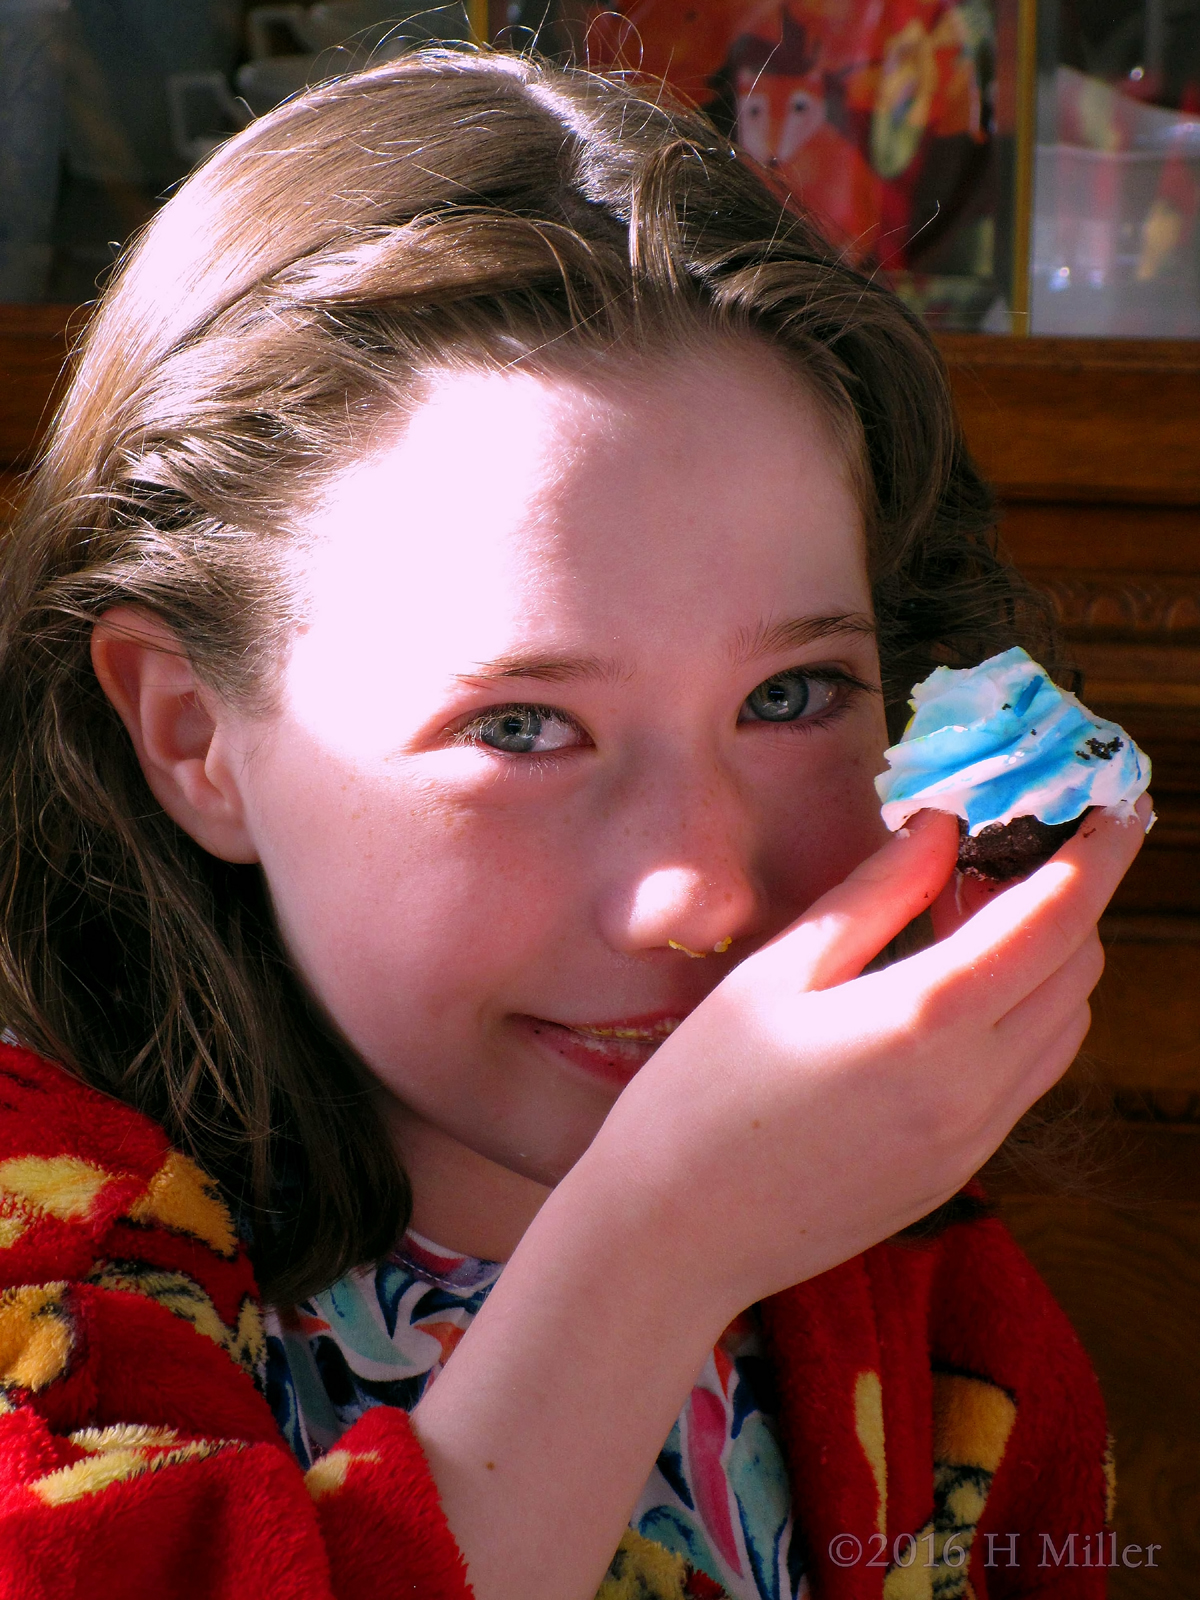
1003,851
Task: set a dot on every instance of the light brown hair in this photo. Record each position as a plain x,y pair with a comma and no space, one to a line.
452,206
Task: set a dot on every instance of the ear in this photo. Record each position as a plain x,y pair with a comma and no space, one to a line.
179,727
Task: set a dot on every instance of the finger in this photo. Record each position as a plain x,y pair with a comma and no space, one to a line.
959,901
1054,1058
1041,1014
1041,1072
1023,935
849,926
1037,1043
965,893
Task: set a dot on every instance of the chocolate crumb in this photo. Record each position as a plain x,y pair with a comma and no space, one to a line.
1104,750
1003,851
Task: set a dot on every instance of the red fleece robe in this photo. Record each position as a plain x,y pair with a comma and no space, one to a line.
943,1429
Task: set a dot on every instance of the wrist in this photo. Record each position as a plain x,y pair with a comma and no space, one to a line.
627,1218
543,1427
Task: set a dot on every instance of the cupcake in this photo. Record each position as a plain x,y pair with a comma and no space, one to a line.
1016,758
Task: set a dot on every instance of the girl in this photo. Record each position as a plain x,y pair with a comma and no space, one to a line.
446,651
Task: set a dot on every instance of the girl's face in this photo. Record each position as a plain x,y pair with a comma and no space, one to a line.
587,676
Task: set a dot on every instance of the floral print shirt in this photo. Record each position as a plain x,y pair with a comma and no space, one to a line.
718,1494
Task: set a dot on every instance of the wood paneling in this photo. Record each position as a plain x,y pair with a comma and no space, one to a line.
1095,449
1065,419
1118,1271
1090,538
1146,1017
33,347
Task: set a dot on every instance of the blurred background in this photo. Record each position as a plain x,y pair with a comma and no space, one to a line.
1011,165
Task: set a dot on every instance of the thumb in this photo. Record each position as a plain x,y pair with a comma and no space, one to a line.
845,929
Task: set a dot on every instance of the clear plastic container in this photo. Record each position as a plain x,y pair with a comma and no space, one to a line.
1116,227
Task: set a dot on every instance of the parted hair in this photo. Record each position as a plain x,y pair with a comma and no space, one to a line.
450,207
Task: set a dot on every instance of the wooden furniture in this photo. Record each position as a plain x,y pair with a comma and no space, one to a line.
1095,447
33,346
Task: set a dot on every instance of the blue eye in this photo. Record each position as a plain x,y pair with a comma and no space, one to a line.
788,697
523,730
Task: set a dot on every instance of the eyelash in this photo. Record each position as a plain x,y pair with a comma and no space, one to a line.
468,733
849,686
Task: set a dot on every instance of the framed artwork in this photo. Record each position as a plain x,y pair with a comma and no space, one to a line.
892,121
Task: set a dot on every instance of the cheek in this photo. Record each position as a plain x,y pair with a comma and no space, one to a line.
394,898
826,821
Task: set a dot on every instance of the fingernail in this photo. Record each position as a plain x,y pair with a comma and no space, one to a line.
1141,810
922,819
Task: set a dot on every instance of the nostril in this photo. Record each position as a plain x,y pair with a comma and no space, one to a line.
682,909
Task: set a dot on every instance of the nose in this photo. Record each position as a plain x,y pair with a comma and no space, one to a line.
684,878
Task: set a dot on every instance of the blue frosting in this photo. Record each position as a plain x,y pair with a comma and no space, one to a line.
1000,741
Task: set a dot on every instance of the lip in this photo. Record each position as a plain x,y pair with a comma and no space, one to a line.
658,1025
613,1051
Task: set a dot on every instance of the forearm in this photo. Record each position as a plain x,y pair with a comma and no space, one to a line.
797,1116
542,1430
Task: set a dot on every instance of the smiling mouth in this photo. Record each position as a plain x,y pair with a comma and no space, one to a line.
655,1032
611,1051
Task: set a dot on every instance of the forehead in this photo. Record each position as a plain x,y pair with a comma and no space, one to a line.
698,488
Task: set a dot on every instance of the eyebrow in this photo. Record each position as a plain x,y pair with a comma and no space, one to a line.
768,639
547,668
776,638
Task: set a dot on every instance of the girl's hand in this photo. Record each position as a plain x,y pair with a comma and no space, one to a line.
799,1115
802,1112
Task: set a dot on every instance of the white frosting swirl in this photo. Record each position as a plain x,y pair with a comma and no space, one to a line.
999,741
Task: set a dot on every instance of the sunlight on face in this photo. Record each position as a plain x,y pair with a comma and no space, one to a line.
432,549
586,690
